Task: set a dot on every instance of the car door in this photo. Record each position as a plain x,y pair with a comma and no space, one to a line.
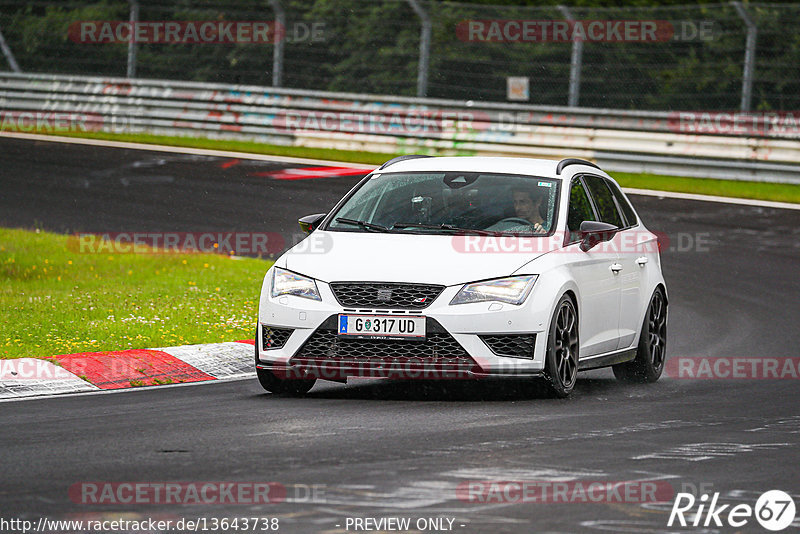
638,253
591,270
627,277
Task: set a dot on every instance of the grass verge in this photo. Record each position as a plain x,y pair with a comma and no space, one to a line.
706,186
56,301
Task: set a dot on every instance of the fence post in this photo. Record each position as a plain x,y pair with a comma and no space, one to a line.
134,18
749,56
575,62
280,37
9,55
424,48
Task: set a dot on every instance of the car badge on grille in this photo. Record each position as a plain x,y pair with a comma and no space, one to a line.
420,300
384,295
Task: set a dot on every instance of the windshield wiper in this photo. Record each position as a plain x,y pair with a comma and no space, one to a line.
363,224
444,226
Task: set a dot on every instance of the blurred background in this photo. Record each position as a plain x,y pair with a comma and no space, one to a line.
725,56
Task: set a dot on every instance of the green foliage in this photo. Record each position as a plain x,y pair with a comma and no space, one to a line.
373,47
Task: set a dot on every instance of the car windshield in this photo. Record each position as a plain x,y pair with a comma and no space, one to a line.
450,202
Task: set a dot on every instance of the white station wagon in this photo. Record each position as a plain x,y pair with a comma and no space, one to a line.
464,268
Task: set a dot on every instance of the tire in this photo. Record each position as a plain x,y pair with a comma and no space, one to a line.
561,360
282,386
651,353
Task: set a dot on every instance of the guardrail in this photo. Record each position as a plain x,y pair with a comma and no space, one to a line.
629,141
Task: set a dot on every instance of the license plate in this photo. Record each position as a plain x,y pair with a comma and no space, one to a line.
381,326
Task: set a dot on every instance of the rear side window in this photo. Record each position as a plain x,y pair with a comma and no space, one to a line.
580,209
604,201
622,203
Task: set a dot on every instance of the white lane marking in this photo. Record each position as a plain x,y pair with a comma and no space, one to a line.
308,161
251,376
182,150
698,452
711,198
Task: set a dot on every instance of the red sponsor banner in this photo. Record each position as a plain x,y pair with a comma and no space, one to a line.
777,123
566,492
185,493
240,243
733,368
562,31
176,32
50,121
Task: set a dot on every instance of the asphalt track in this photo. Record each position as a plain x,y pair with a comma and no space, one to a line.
399,449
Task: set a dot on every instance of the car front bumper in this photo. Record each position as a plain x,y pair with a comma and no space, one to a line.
457,343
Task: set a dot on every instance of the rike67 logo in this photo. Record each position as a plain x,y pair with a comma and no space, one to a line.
774,510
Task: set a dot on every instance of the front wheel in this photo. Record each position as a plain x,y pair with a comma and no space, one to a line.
652,350
561,360
283,386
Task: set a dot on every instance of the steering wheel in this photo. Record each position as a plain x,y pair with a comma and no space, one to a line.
515,220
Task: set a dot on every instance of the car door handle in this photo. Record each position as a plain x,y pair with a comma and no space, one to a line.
616,267
642,261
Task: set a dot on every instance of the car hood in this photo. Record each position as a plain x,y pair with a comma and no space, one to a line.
434,259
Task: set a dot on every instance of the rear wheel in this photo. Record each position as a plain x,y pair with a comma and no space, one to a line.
652,350
561,360
282,386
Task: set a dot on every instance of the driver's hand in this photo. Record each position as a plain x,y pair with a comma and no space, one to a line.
538,228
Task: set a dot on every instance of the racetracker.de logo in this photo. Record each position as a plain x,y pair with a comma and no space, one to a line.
563,31
116,493
32,369
773,123
176,32
239,243
50,121
733,368
565,492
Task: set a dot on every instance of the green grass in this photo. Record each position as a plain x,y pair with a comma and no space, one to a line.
56,301
725,188
707,186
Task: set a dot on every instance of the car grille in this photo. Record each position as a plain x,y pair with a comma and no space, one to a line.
439,350
514,345
274,338
385,295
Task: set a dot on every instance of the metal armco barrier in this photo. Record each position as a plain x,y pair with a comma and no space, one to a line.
689,144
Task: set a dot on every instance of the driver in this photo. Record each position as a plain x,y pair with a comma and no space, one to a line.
527,205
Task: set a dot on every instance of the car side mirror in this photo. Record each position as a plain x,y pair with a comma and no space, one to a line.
309,223
594,232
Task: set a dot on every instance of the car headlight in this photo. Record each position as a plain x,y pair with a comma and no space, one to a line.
288,283
513,290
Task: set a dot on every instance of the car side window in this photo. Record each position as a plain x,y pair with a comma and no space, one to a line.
580,209
622,203
604,201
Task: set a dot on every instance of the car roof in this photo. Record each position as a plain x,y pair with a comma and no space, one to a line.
529,166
